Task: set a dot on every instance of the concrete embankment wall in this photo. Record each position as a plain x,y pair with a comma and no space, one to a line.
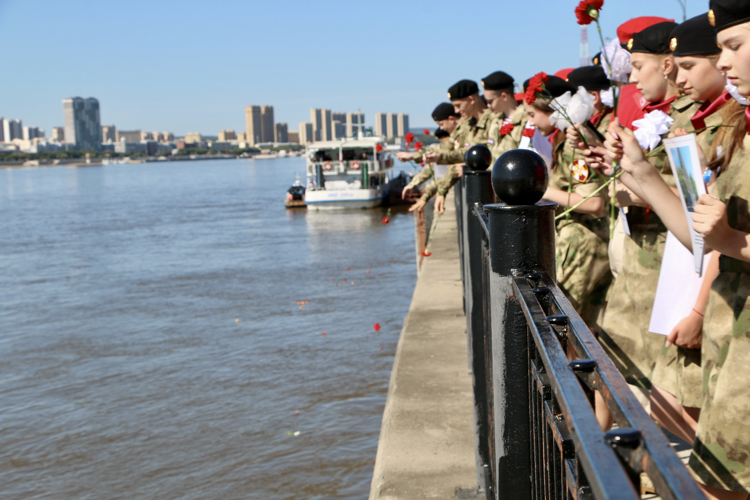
426,447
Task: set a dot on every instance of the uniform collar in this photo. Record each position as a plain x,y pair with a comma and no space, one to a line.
665,106
707,109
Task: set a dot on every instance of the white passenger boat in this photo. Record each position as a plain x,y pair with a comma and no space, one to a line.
349,173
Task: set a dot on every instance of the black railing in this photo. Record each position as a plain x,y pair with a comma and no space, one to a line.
536,432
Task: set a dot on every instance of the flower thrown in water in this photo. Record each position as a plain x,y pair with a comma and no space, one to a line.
386,219
376,327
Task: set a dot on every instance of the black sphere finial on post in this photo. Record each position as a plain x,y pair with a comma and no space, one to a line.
520,177
478,158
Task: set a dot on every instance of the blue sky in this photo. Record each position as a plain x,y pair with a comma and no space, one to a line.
188,65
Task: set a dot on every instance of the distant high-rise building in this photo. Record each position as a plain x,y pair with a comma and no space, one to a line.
322,124
306,133
338,116
339,129
354,122
267,123
253,125
82,123
193,137
402,124
109,133
130,136
168,136
381,124
12,129
242,137
227,135
293,137
28,133
392,125
58,134
147,136
281,132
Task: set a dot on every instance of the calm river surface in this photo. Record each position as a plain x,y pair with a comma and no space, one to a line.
151,346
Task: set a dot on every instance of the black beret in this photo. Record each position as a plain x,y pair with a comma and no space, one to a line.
444,111
499,80
727,13
597,59
440,133
589,77
463,89
653,40
554,86
694,37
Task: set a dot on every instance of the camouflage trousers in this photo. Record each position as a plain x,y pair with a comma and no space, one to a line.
625,336
721,452
583,270
678,371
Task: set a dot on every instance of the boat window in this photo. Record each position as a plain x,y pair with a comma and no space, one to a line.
326,155
359,154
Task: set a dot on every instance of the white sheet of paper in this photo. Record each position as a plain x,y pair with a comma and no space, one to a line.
625,225
678,287
525,141
686,167
441,170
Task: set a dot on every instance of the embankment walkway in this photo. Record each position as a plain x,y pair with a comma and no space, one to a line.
426,447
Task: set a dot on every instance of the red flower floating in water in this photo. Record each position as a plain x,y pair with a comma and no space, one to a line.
588,11
426,253
506,129
426,132
386,219
536,85
376,327
418,145
409,138
528,132
379,148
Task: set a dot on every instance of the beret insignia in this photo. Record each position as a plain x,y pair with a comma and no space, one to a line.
596,60
449,95
630,44
673,44
482,83
712,18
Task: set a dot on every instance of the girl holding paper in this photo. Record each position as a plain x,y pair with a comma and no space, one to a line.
677,390
721,450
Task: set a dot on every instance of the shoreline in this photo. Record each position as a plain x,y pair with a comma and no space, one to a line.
78,162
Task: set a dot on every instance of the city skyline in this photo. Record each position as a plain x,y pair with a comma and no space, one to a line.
177,93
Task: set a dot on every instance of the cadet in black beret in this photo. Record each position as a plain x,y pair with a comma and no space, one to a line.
462,90
653,40
499,94
694,37
653,67
441,134
696,52
443,111
592,78
727,13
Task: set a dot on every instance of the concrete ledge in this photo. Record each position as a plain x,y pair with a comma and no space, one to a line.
426,447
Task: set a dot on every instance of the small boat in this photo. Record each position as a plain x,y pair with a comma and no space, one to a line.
295,195
352,173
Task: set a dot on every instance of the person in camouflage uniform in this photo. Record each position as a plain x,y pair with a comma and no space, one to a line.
465,97
582,265
625,323
449,121
678,367
506,125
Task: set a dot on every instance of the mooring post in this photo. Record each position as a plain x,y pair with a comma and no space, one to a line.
476,189
522,239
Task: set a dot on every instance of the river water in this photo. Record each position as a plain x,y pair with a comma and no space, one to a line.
151,346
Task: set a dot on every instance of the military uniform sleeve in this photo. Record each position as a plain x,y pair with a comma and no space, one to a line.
448,181
429,191
422,176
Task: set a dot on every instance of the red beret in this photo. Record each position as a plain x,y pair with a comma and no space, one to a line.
563,73
627,29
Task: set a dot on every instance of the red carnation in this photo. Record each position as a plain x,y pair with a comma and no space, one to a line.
426,132
422,164
506,129
409,138
536,85
376,327
379,148
588,11
418,145
426,253
386,219
528,132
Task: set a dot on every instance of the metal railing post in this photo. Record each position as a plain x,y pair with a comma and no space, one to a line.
521,238
476,190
